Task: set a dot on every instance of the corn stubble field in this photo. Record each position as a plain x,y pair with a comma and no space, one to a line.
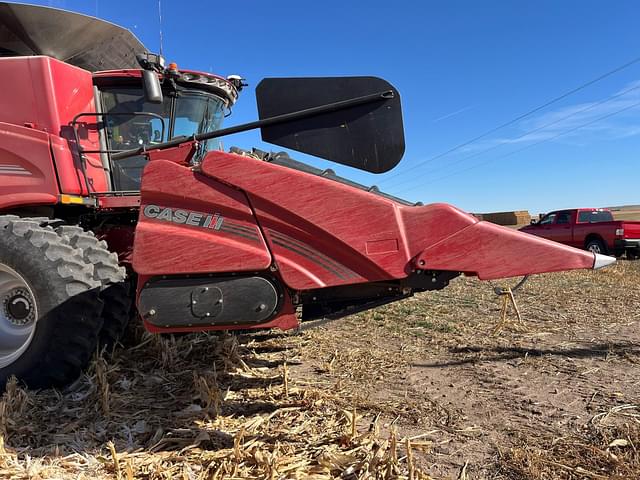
432,387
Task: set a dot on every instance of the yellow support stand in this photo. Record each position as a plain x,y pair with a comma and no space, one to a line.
507,298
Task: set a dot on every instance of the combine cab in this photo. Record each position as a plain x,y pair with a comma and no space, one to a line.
113,192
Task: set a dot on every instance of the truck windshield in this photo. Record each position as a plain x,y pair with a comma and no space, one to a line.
595,216
128,125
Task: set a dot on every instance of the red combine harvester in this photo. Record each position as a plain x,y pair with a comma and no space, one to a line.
112,189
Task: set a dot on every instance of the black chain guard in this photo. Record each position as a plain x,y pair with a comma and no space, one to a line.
208,301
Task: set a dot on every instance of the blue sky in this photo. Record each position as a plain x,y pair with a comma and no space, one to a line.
462,68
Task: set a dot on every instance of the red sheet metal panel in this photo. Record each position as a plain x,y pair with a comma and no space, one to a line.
318,229
326,233
45,94
27,175
491,251
192,224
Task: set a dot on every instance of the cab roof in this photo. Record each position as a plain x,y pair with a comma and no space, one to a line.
190,78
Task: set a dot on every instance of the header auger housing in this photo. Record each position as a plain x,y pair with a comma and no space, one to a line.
112,189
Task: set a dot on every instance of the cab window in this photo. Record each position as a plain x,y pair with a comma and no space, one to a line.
131,122
548,219
564,218
127,127
595,216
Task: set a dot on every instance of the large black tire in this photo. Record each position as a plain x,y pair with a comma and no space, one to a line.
66,299
596,246
116,289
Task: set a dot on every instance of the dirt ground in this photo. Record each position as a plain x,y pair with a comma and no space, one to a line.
539,399
432,387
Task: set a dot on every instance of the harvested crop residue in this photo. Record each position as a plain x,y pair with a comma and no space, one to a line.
419,389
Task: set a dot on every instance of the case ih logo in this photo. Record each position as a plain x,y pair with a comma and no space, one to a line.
184,217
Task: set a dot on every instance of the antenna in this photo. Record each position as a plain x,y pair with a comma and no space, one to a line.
160,22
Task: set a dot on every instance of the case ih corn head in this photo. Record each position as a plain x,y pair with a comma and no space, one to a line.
112,191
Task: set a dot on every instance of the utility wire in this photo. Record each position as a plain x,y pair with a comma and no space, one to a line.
604,117
518,118
529,132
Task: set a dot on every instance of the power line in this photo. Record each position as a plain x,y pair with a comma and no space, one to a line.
604,117
529,132
518,118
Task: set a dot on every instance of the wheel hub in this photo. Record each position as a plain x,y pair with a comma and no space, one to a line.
18,315
18,307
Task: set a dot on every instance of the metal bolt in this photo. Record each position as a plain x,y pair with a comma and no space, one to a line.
207,314
152,312
422,262
193,302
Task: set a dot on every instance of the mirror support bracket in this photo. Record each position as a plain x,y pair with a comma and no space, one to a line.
265,122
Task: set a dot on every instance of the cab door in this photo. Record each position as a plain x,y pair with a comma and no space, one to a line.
132,122
545,227
562,230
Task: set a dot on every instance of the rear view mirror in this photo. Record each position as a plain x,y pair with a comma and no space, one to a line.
152,88
368,135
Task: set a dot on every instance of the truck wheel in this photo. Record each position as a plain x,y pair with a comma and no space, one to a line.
596,246
116,289
49,306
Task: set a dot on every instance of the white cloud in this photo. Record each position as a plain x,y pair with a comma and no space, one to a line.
566,123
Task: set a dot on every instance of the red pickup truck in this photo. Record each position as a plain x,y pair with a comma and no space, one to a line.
593,229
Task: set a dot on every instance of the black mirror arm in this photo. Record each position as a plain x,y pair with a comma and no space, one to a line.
278,119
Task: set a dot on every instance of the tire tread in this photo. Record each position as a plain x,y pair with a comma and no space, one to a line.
74,291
